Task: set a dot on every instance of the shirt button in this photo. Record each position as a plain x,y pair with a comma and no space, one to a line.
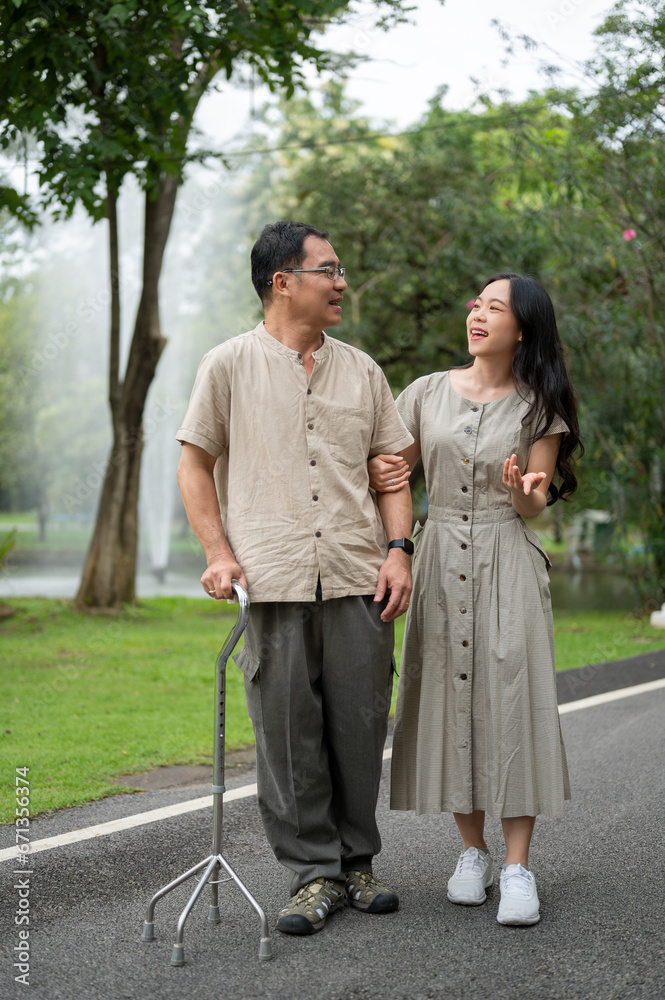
465,489
462,611
300,356
317,534
462,578
309,392
466,461
465,517
462,677
315,497
462,546
467,430
475,409
310,427
313,462
465,643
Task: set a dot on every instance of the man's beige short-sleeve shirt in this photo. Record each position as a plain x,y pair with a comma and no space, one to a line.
291,469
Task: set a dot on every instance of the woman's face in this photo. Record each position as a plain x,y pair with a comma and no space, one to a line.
491,327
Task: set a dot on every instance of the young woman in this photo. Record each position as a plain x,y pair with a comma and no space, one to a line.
477,726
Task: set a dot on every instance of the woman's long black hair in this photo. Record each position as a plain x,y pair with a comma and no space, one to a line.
540,372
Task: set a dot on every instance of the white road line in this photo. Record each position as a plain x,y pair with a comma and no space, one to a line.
127,822
603,699
246,791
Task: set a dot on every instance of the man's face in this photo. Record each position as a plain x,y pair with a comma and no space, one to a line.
317,299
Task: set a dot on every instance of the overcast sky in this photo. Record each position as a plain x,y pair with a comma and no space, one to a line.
446,44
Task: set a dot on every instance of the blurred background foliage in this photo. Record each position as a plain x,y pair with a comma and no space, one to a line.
568,185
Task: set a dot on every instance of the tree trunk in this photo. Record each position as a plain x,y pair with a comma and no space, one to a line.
42,517
109,574
110,566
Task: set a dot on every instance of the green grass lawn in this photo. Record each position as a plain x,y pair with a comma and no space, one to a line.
89,697
597,636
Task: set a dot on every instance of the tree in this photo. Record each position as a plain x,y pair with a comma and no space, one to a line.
612,278
19,482
419,219
108,90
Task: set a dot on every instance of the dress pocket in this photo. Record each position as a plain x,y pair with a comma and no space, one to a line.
250,666
533,539
542,565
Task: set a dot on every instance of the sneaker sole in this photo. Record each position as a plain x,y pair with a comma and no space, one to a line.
467,900
517,921
298,925
385,902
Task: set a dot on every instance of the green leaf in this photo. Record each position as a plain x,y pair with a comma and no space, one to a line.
121,12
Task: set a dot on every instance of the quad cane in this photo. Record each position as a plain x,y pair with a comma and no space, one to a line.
215,862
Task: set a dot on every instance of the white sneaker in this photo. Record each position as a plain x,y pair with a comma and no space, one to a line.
473,874
519,899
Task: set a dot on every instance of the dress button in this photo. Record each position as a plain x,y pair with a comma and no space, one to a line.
465,489
313,462
462,578
465,643
465,517
317,534
462,546
315,497
467,430
462,611
310,427
462,677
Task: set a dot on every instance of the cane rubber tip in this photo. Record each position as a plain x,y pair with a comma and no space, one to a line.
265,950
148,933
178,956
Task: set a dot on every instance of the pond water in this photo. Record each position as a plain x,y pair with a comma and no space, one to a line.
592,592
570,591
51,581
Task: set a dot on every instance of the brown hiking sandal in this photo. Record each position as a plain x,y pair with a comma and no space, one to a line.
308,909
366,894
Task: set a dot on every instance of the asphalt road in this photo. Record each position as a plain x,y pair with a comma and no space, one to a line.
599,874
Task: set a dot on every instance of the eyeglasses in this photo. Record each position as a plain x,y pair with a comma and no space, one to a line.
332,271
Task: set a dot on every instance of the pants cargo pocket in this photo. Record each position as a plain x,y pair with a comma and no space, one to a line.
250,667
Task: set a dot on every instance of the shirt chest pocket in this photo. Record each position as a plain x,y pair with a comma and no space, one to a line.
349,434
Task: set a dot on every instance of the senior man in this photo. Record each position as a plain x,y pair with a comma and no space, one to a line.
273,473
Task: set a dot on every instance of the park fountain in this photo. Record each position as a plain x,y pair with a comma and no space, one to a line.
658,617
158,485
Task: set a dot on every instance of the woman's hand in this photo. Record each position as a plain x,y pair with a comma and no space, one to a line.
518,483
388,473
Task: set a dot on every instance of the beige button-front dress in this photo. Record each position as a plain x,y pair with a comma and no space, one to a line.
477,724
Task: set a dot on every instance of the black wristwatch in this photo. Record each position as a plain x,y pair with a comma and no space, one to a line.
402,543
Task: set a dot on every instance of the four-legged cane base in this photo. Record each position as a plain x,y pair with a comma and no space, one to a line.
215,861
